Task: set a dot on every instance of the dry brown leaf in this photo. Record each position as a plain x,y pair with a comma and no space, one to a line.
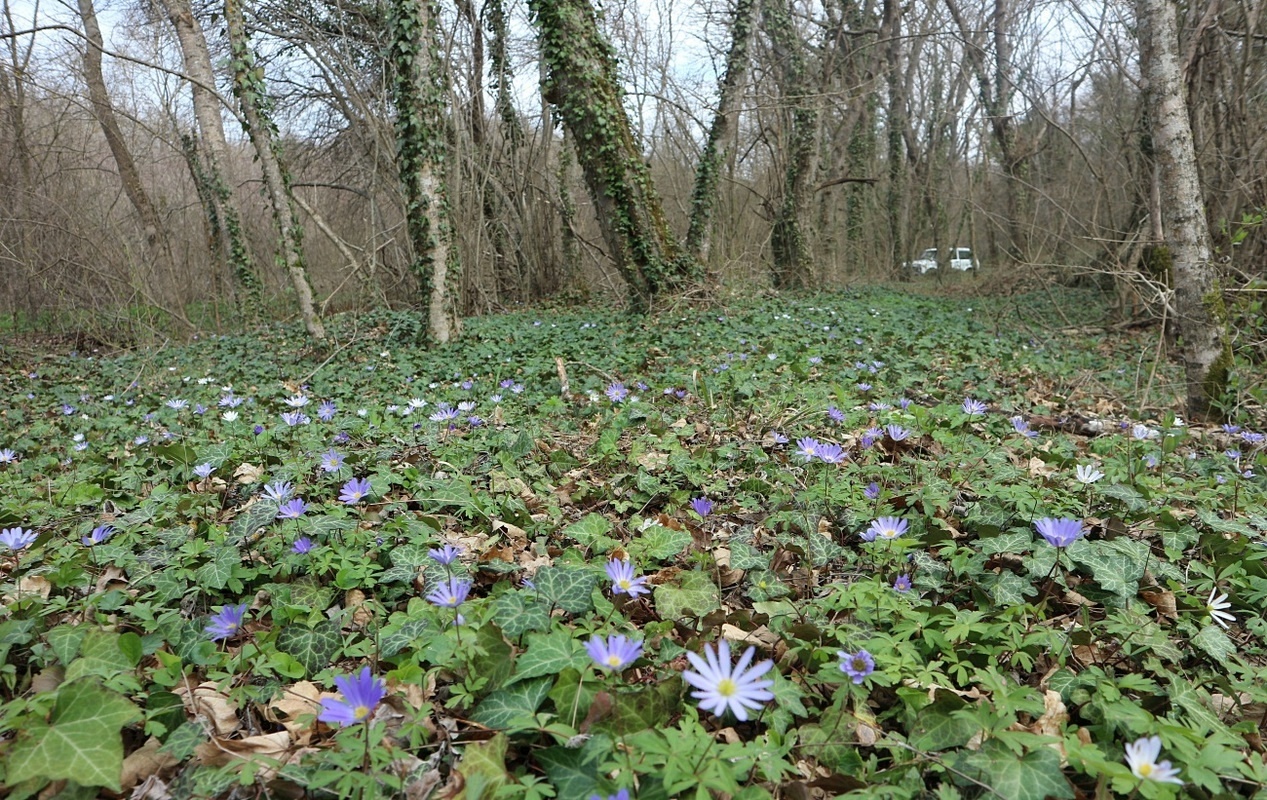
144,763
511,531
867,730
760,636
248,473
219,752
362,614
1163,601
31,585
295,701
653,461
1040,469
153,788
207,702
48,679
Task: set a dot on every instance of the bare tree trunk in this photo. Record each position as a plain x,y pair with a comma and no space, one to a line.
129,175
214,149
1201,316
788,241
420,149
582,82
248,85
708,172
895,124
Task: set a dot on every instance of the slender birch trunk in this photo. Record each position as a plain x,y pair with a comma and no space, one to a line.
248,85
1201,317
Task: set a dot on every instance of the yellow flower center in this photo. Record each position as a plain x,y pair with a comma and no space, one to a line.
453,599
361,712
726,687
624,583
1145,770
613,660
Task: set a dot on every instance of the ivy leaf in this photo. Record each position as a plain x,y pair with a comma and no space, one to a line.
99,655
658,543
483,766
1034,776
394,640
574,771
81,742
695,595
1008,588
549,654
506,707
251,519
315,648
591,531
567,588
518,612
217,572
1018,542
938,728
1129,496
744,556
65,641
1215,643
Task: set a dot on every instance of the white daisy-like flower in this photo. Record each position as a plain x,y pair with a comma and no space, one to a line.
1088,474
722,686
298,401
229,416
1214,607
1141,757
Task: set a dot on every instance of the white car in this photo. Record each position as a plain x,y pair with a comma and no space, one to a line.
960,259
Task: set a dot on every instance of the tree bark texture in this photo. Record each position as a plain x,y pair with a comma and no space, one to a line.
420,153
129,175
708,171
788,240
248,86
583,84
1201,317
216,164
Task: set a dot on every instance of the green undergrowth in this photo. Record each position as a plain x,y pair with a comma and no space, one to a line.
143,495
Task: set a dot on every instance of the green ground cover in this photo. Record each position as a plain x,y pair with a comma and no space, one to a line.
966,562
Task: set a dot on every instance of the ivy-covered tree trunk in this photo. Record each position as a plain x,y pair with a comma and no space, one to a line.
582,82
1200,314
248,86
895,124
788,242
707,173
208,155
418,93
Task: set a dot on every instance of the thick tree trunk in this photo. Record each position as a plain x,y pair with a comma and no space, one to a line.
248,85
708,172
788,240
217,165
420,150
895,125
1201,317
582,82
129,175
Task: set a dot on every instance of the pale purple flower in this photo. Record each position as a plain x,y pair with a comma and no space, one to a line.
204,471
17,538
1021,426
869,437
835,414
872,492
177,404
1250,437
973,407
298,401
831,453
326,411
856,665
721,687
902,584
99,534
623,580
68,410
896,432
292,509
864,387
445,555
886,528
616,392
904,403
354,490
331,460
8,456
227,623
361,695
616,652
293,418
302,546
702,505
229,401
807,448
450,594
778,438
1231,429
1060,532
279,491
444,413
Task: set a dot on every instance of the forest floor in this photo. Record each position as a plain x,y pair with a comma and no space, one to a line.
959,546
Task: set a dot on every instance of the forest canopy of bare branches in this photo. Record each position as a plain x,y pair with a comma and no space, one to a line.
162,168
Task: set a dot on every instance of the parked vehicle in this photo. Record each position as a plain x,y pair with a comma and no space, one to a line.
960,259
